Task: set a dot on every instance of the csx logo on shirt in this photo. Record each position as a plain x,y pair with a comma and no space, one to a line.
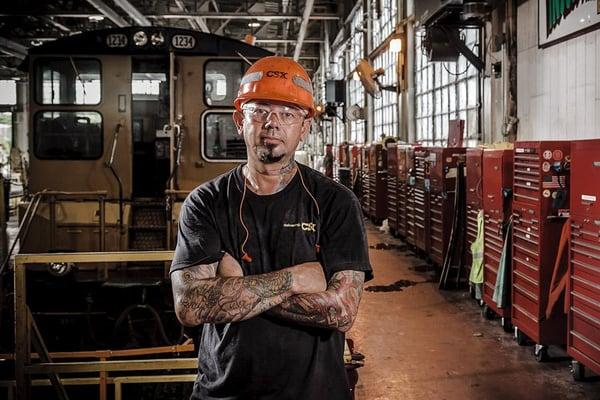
277,74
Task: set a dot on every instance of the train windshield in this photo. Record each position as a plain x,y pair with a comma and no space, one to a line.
67,81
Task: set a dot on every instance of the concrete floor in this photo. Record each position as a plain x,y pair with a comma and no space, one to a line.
421,343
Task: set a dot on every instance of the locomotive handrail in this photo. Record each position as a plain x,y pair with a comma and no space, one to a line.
178,147
23,227
109,165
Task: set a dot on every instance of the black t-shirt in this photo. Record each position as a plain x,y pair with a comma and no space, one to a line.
266,357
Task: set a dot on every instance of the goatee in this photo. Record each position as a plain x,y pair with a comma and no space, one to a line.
266,156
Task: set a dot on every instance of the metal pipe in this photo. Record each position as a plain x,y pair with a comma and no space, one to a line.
52,205
102,212
109,165
106,12
308,6
133,12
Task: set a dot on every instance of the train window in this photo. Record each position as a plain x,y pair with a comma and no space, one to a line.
221,140
222,81
67,81
149,86
8,92
68,135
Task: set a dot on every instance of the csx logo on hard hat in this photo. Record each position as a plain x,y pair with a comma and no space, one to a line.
277,74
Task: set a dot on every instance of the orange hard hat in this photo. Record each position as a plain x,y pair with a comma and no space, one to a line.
278,79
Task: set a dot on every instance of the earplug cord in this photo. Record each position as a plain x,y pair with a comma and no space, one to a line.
245,256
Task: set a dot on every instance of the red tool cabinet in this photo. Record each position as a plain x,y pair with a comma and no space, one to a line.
392,188
421,200
498,177
474,196
355,169
583,340
377,176
539,182
410,195
402,152
364,178
343,156
442,162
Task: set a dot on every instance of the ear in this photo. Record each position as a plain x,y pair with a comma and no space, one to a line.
238,120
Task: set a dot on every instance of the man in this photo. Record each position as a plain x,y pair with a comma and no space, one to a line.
271,257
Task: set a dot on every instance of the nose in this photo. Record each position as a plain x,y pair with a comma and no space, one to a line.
272,120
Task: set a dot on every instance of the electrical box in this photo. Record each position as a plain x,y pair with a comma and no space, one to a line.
335,91
540,204
583,341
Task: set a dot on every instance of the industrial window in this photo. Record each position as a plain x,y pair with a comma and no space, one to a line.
221,140
356,92
68,135
386,23
8,92
67,81
445,91
385,122
222,81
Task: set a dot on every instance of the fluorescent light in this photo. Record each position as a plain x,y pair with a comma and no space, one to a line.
253,24
96,18
396,45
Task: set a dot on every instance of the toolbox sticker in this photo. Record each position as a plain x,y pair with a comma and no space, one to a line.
554,195
528,183
596,163
530,150
546,193
586,197
553,181
451,173
547,154
557,155
546,166
528,236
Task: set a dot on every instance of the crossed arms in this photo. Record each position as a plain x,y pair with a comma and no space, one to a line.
219,293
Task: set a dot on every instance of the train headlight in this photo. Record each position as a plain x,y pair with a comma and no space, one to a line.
157,39
140,38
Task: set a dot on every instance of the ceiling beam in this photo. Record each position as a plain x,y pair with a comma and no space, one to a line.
196,23
219,31
13,48
106,12
133,12
56,24
308,6
207,15
309,41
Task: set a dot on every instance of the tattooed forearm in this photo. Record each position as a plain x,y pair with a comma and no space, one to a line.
336,308
200,297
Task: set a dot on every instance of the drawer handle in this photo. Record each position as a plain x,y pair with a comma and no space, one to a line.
74,231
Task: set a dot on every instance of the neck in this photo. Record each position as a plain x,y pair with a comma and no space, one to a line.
268,179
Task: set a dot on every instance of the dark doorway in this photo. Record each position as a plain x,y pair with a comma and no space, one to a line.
150,113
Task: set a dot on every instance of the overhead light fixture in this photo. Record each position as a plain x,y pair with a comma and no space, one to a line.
253,24
36,42
96,18
396,45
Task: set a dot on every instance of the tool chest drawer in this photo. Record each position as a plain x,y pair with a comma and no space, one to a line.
585,182
541,173
474,181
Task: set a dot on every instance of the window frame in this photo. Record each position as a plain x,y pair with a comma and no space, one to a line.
202,141
204,69
36,87
35,136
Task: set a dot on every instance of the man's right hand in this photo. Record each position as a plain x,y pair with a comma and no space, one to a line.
308,278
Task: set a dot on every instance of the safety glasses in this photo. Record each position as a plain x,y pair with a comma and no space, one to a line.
285,115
